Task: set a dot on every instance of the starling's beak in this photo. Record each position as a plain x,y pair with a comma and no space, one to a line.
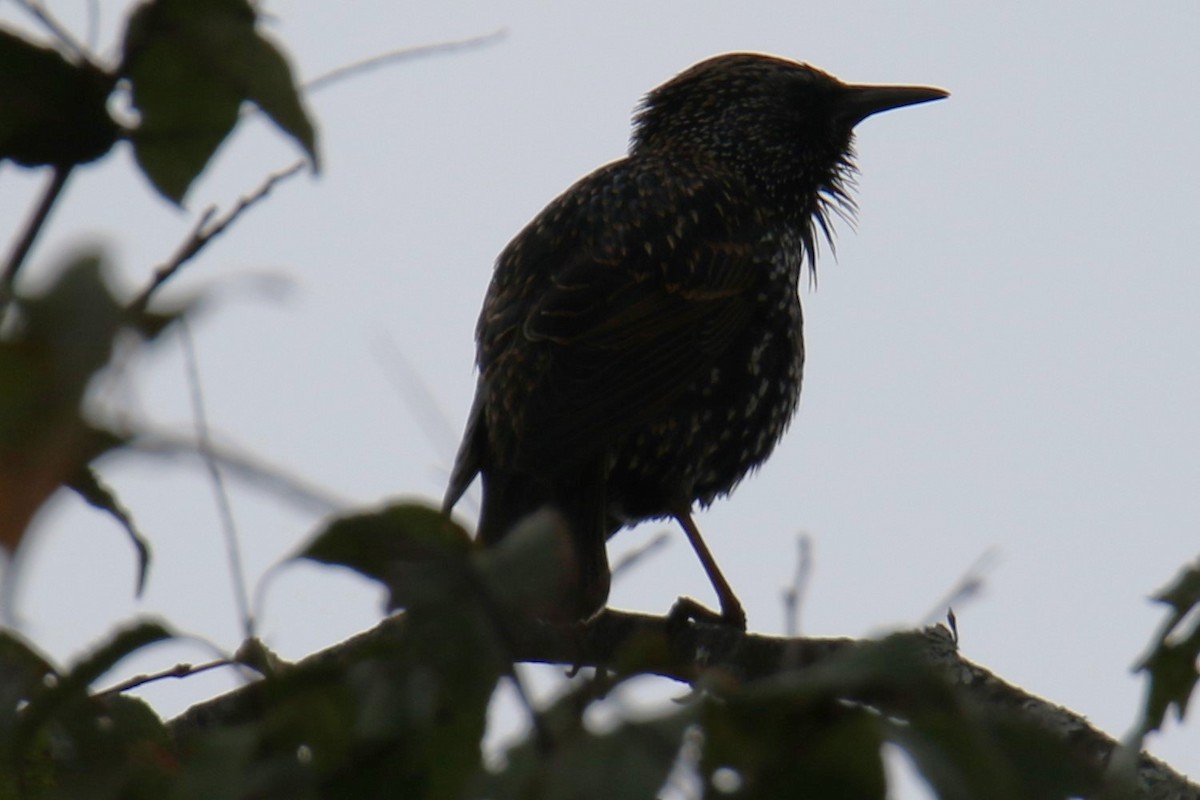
859,101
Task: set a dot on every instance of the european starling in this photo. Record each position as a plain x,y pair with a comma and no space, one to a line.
640,347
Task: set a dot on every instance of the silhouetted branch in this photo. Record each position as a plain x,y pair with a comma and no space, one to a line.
794,594
233,550
29,234
715,652
180,670
391,57
56,29
638,554
246,467
203,233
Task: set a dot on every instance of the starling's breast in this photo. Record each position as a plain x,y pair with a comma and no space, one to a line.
730,419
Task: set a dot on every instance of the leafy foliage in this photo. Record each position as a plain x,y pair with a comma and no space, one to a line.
189,65
406,716
1173,662
381,544
427,698
58,343
423,557
54,112
819,733
58,740
192,64
635,759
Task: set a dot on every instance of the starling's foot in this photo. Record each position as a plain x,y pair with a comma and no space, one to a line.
686,609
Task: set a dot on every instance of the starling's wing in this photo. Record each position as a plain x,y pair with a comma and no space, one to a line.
624,341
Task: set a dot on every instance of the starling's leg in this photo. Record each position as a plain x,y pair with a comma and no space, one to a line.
731,608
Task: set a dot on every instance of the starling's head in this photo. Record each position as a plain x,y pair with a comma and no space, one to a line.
785,126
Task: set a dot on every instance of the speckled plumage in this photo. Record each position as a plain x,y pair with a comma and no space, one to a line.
640,347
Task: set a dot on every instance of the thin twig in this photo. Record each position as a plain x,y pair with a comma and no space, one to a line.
233,551
249,468
181,670
660,539
29,234
794,594
403,54
203,233
56,29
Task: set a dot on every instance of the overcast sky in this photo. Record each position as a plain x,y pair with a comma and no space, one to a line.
1001,358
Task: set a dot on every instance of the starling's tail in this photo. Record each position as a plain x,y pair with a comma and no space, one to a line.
467,463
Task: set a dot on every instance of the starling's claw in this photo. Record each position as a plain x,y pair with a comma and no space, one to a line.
734,615
687,610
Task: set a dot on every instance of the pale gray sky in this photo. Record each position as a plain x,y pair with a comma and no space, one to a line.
1002,356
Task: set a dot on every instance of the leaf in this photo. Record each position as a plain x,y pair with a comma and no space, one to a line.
1171,664
418,552
77,745
632,760
425,558
398,532
54,112
1173,677
59,341
531,570
24,673
272,88
422,701
191,64
794,738
87,484
793,747
47,361
962,748
1184,594
72,686
404,718
219,763
422,712
818,733
111,747
186,112
34,470
978,753
22,670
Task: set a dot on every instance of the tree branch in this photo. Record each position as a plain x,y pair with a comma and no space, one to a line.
29,234
56,29
403,54
246,467
204,232
713,651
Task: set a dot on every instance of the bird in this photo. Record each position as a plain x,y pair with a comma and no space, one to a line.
640,348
